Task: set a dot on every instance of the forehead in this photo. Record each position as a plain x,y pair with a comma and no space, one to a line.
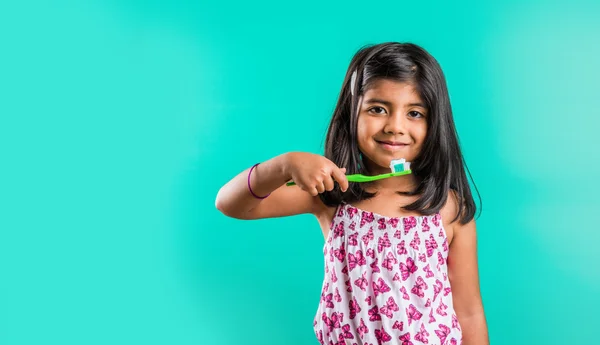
397,93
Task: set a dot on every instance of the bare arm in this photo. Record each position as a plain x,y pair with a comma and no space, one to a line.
464,280
312,173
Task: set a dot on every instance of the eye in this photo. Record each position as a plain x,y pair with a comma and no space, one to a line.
377,110
415,114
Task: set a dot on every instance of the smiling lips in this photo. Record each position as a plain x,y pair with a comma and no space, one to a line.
391,145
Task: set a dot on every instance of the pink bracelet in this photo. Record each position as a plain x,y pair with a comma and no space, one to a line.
250,188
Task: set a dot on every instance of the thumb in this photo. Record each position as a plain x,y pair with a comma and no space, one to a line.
340,176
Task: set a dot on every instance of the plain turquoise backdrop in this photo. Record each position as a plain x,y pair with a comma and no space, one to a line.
120,120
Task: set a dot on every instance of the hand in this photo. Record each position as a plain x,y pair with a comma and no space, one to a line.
313,173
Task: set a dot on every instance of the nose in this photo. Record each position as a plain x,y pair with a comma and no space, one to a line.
396,124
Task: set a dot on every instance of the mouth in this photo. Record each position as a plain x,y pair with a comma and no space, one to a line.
391,145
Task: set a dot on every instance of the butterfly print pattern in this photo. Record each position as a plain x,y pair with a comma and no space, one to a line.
386,282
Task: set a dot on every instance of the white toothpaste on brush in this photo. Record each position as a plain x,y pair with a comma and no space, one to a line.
398,165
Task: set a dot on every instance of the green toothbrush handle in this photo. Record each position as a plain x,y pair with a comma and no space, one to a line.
351,178
363,178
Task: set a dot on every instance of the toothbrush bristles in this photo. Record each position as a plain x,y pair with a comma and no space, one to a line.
399,165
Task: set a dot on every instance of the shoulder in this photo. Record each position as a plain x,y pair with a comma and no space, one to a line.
450,213
450,208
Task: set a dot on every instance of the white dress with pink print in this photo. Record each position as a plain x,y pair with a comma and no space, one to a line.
386,282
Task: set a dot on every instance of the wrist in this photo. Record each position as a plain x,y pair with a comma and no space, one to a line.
283,163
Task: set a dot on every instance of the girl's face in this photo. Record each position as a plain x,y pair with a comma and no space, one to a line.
392,124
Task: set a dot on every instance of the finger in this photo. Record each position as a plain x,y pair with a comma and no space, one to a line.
320,187
340,177
310,188
313,191
328,183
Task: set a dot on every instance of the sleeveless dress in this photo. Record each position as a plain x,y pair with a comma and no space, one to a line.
386,282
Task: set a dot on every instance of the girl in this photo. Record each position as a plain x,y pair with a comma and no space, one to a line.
400,253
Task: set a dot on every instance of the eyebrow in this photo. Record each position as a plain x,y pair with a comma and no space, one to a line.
389,104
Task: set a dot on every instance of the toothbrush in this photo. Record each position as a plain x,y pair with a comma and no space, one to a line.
399,167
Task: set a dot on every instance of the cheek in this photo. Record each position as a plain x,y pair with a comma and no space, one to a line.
368,125
362,129
421,133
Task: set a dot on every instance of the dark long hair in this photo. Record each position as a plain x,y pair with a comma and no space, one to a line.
440,166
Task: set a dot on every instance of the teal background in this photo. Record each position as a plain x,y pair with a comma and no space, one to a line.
120,120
